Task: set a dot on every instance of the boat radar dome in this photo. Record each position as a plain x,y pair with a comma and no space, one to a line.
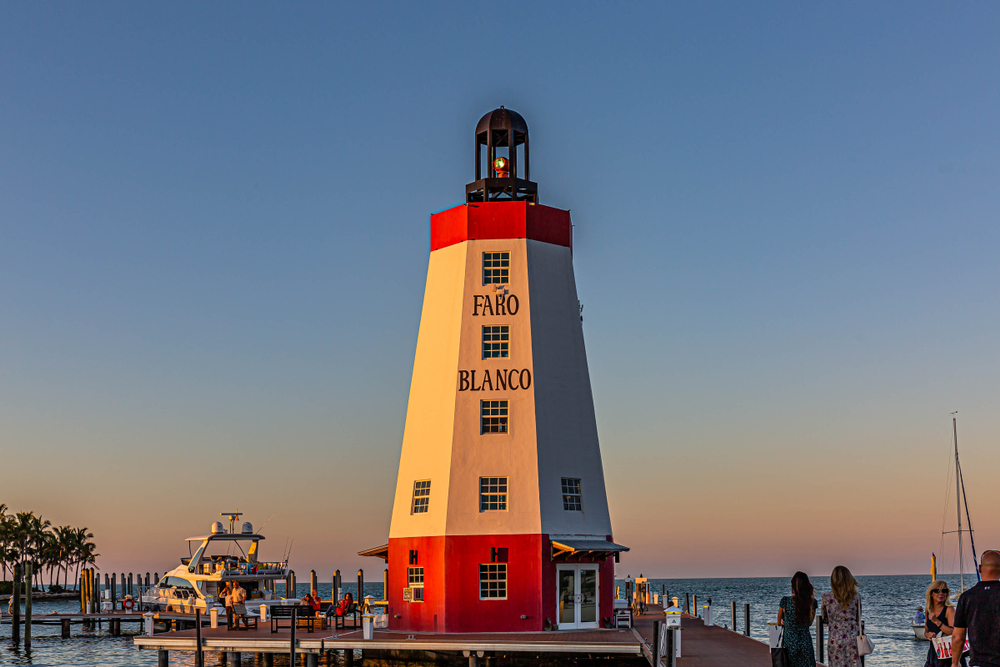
247,528
502,131
217,528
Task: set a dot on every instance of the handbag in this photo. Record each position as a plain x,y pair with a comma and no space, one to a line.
865,645
779,655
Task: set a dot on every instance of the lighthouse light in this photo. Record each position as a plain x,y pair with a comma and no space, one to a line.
502,167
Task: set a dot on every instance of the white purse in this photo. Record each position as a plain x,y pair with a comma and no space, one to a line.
865,645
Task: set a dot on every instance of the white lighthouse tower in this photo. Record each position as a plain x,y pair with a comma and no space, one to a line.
500,520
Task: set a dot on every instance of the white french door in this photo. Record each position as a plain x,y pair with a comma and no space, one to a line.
578,594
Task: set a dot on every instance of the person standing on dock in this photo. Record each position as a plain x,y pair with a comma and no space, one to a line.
978,614
939,621
841,609
227,599
796,614
239,597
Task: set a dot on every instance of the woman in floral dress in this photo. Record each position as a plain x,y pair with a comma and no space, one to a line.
841,609
796,614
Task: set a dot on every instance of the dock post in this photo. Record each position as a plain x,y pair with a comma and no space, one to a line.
312,660
732,613
687,603
336,586
116,627
65,628
746,619
15,607
349,657
361,587
656,644
199,657
235,659
268,660
291,651
473,658
819,638
114,590
28,567
385,585
162,658
694,603
312,582
862,632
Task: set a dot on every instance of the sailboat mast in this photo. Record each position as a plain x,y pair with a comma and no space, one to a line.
958,505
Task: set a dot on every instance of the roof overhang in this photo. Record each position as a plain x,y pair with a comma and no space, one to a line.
583,546
378,552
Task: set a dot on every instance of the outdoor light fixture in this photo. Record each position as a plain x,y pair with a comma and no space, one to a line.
502,167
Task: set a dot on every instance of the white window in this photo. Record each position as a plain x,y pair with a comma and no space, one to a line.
496,268
572,494
492,417
415,580
492,494
496,341
493,581
421,496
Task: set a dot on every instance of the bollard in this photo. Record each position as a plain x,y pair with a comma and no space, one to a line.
732,613
706,614
213,618
147,623
746,619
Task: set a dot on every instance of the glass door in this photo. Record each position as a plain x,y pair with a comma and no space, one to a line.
578,596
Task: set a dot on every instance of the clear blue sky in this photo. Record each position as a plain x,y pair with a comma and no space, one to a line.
213,244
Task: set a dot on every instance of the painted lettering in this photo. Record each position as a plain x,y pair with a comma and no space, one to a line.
502,379
513,304
510,379
507,379
501,306
474,388
463,380
475,301
524,383
488,380
487,305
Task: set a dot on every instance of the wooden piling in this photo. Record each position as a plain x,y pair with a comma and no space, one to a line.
15,607
656,643
694,603
236,659
687,603
746,619
336,585
199,657
385,585
361,587
312,581
732,613
28,568
349,657
268,660
291,652
819,638
162,658
65,628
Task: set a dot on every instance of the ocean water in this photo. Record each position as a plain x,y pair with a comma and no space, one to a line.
889,605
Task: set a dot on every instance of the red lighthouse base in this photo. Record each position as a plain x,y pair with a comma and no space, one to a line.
531,601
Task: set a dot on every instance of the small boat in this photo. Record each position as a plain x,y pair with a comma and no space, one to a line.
918,632
221,556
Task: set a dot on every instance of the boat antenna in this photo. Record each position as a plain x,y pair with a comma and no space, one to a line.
261,529
290,551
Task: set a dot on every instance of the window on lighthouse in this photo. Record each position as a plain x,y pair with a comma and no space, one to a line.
415,580
421,496
496,268
496,341
572,494
493,581
492,494
492,417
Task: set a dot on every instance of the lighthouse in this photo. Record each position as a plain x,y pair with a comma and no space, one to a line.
500,520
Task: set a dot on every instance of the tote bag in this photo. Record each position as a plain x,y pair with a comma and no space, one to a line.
942,647
865,645
779,655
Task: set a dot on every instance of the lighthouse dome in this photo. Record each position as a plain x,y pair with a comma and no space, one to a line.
502,119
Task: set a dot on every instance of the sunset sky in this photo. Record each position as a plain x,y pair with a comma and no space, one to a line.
214,241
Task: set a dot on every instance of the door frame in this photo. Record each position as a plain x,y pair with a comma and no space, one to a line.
575,568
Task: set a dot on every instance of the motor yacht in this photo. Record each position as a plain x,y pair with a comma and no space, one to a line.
213,560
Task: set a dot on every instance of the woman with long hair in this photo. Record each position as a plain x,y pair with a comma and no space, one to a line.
796,614
940,620
841,609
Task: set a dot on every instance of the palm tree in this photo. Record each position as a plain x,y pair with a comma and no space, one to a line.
84,551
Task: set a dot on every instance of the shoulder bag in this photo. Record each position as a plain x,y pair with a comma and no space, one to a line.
779,654
865,645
